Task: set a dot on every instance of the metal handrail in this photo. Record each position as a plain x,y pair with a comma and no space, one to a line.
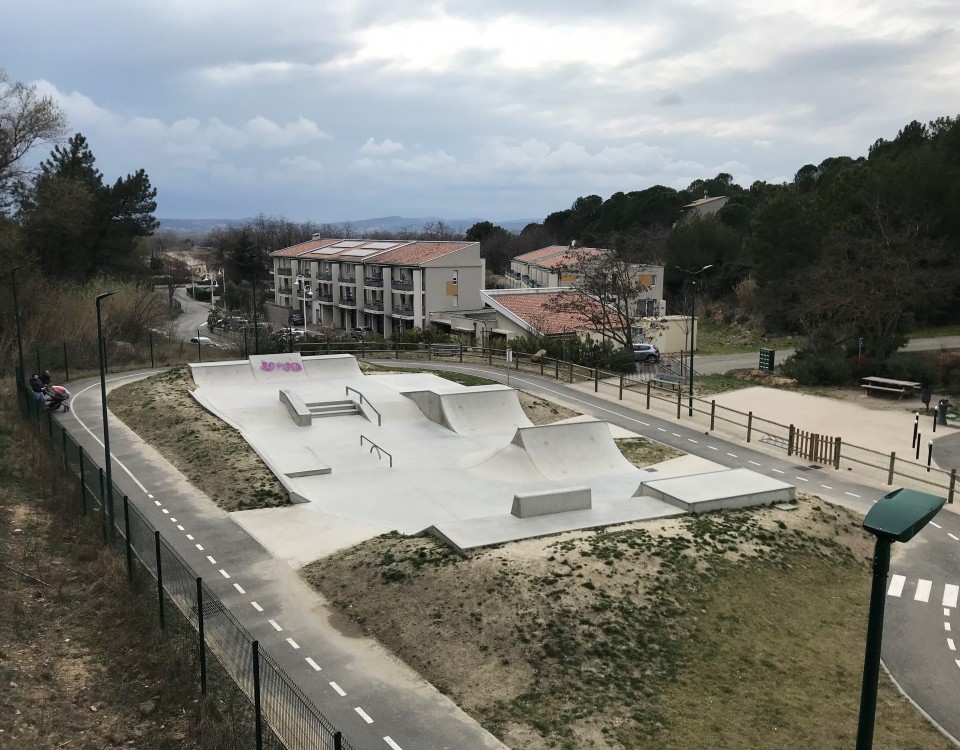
374,446
362,399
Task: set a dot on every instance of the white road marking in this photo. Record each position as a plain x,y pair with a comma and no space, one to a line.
851,494
923,590
180,527
293,644
275,625
780,471
257,607
713,447
950,595
936,525
645,424
165,511
200,547
802,479
212,561
172,519
896,585
691,440
312,663
946,612
224,573
953,537
946,626
675,434
157,503
150,496
339,689
825,486
239,588
951,645
393,745
190,537
661,429
734,455
752,462
363,715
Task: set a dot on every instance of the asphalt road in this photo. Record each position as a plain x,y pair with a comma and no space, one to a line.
194,316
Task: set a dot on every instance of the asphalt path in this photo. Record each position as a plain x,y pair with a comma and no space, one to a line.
916,647
375,700
193,318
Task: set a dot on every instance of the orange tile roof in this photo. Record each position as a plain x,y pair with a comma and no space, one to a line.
569,258
543,252
415,253
304,247
536,311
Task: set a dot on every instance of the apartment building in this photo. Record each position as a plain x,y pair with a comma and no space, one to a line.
388,285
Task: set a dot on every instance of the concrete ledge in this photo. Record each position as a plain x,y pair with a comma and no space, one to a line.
733,488
302,462
546,502
298,409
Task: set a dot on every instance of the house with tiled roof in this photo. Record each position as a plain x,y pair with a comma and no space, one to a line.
387,285
702,207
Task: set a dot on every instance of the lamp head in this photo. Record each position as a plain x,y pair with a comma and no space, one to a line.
899,515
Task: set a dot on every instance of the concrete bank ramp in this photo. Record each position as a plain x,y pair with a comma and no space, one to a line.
221,374
272,368
480,410
573,450
332,367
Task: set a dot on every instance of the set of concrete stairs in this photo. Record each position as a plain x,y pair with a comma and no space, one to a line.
344,408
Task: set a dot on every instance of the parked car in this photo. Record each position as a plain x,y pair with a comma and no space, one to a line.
204,341
361,332
645,353
295,318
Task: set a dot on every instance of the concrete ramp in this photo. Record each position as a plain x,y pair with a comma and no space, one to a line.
481,410
272,368
332,367
719,490
573,450
221,374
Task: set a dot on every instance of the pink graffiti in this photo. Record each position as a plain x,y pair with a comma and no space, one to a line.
285,366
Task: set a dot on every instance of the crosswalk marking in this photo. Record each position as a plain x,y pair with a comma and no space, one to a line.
923,590
950,592
896,585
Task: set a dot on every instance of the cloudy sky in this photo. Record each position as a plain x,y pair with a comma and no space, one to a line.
479,108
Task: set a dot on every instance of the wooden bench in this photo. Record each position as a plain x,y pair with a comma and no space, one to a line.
886,385
445,349
674,382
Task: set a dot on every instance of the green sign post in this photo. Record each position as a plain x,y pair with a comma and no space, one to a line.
766,359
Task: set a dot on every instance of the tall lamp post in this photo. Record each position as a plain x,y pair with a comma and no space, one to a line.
102,348
896,517
693,325
16,313
303,296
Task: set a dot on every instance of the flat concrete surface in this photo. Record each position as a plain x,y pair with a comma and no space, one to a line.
616,431
720,490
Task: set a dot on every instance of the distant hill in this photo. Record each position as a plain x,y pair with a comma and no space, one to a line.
382,224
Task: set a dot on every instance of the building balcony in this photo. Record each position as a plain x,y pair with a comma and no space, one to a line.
325,299
325,276
399,311
373,306
374,281
402,286
347,280
347,302
281,271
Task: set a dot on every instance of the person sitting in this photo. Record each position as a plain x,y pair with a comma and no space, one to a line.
37,387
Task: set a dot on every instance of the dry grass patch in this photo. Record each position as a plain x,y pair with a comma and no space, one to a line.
740,629
211,454
643,452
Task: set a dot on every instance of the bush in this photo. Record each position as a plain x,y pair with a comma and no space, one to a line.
818,367
918,367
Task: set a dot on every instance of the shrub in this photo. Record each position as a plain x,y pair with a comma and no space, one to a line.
818,367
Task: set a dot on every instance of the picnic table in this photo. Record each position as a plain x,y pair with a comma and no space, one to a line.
887,385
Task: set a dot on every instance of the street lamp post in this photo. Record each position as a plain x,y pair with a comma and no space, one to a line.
693,326
16,313
896,517
101,345
303,297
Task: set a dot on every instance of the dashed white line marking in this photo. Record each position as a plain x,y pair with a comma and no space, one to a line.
749,461
172,519
157,503
825,486
713,447
212,561
312,663
802,479
165,511
896,585
957,661
661,429
851,494
780,471
734,455
200,547
953,537
275,625
946,612
675,434
190,537
224,573
239,588
691,440
645,424
363,715
936,525
293,644
150,496
946,626
923,590
257,607
393,745
339,689
951,645
950,594
180,527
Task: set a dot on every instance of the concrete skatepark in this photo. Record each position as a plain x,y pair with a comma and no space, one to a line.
362,455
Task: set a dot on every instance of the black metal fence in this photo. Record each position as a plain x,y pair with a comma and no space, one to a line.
273,711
